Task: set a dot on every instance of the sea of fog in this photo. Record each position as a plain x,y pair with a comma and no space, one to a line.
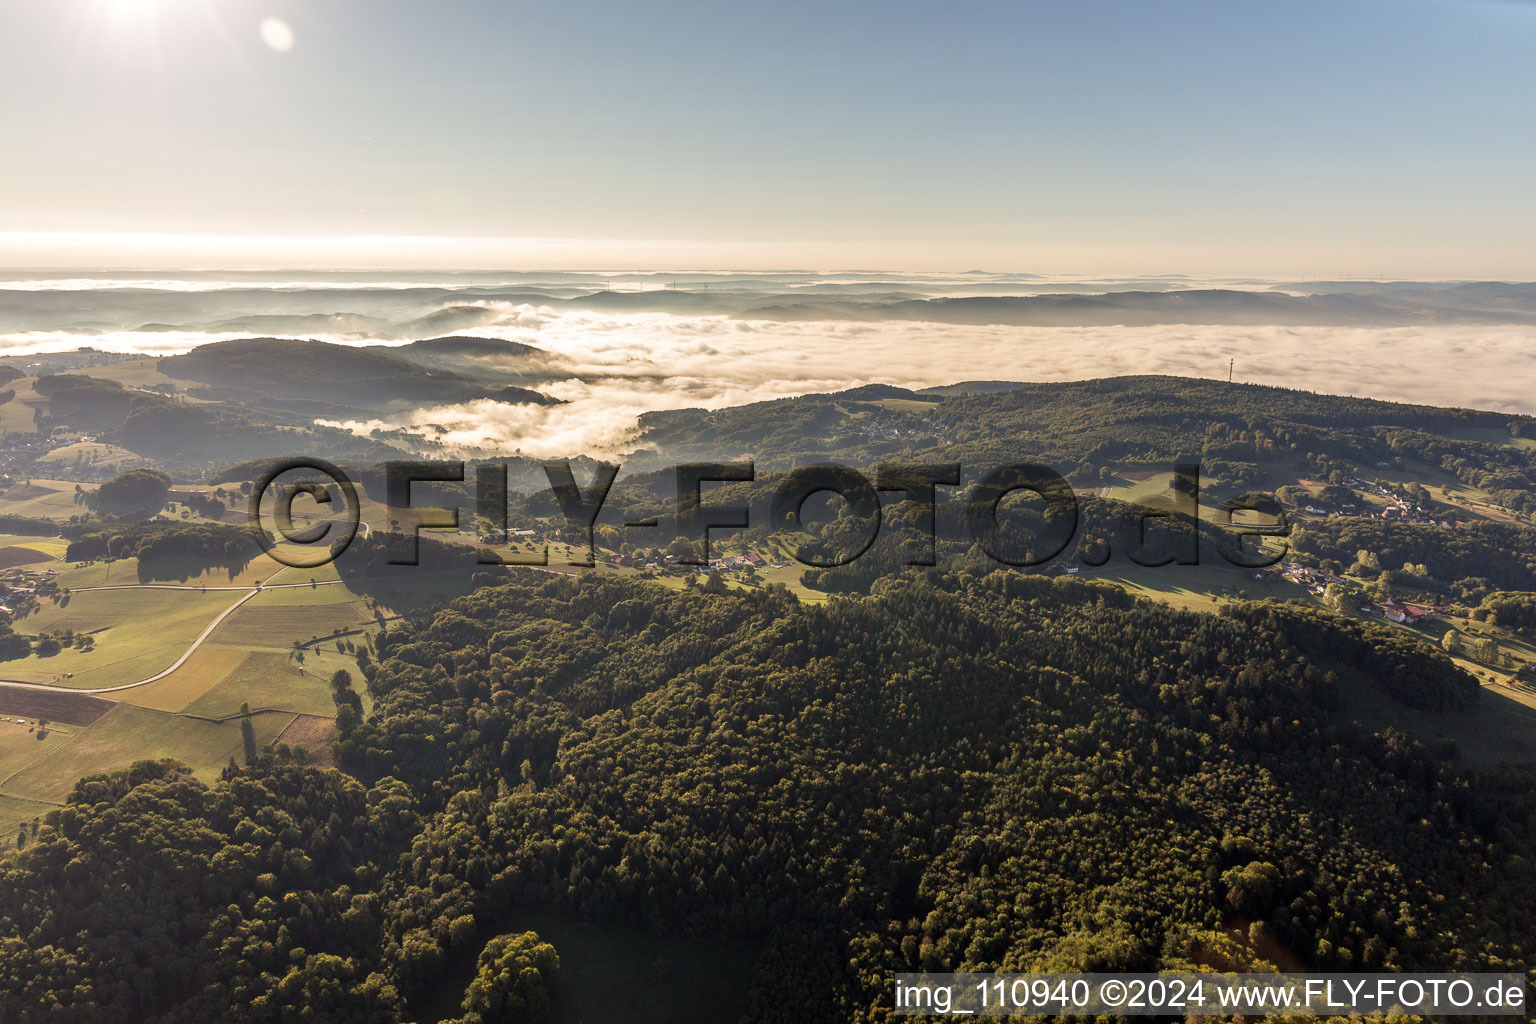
618,365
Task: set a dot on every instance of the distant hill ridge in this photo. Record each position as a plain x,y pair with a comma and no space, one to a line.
466,345
1210,306
291,369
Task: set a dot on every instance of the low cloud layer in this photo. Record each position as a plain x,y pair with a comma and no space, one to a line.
615,366
641,362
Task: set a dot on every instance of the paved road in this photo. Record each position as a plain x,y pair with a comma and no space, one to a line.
226,613
182,586
249,592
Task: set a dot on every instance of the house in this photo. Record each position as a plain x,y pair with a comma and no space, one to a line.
1406,614
756,559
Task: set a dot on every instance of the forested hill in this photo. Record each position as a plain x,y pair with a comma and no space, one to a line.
273,370
1116,419
963,774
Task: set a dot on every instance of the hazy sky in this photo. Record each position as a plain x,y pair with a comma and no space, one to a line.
1291,139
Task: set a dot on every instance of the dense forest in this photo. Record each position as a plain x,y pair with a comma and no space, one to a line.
968,772
1095,423
321,378
183,435
165,549
960,767
1504,553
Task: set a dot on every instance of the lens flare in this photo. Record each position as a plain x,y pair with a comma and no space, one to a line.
275,32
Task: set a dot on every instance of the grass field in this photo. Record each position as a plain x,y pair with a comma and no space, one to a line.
1191,587
17,416
1136,485
43,499
790,577
127,734
14,811
202,672
137,633
54,547
124,571
99,574
270,679
93,454
906,404
1493,435
19,745
319,573
264,622
133,373
306,597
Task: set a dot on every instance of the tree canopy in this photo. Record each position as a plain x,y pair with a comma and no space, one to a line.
967,773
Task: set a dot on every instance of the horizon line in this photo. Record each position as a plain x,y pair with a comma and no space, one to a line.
162,252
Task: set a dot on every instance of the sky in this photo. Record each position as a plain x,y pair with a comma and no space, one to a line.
1374,138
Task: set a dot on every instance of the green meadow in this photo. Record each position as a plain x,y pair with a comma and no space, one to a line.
136,632
127,734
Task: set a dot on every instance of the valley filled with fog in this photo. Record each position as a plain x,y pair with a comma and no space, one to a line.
612,347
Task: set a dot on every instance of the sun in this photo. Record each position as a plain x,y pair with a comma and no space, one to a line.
277,34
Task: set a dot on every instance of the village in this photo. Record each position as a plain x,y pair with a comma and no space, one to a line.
20,588
751,560
1394,507
1317,582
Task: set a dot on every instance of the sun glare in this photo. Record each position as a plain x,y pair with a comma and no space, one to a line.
137,12
277,34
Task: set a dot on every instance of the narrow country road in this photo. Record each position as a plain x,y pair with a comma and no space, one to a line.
249,592
183,586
